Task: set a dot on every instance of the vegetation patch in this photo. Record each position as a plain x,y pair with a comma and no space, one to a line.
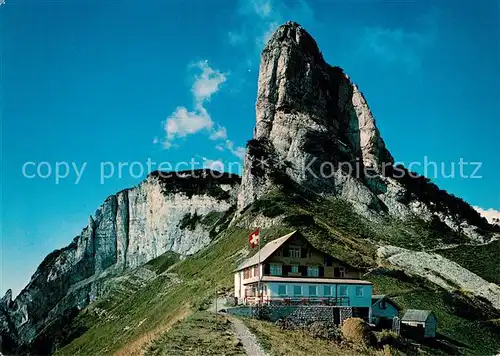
161,263
454,329
211,218
292,342
483,260
195,182
202,333
357,332
438,199
189,221
260,151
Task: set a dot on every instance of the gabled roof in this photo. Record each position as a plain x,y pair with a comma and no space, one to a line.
265,252
416,315
376,298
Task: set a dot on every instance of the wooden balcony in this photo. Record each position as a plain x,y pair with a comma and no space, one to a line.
340,301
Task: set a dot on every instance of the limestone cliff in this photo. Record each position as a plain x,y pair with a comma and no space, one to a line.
315,128
314,131
163,213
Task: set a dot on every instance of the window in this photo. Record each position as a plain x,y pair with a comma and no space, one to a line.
382,304
255,271
297,290
313,291
312,271
275,269
295,269
328,260
294,251
339,272
327,290
343,291
359,291
281,289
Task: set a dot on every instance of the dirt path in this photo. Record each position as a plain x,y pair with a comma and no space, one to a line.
248,339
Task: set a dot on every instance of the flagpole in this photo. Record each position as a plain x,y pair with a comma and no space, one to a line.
258,284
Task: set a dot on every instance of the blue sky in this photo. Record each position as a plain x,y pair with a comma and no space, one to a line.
88,81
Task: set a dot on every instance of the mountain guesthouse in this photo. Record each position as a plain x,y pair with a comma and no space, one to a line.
289,270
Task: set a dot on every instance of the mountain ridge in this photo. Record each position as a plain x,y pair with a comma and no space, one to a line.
305,110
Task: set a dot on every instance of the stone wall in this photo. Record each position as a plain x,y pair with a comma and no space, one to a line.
305,314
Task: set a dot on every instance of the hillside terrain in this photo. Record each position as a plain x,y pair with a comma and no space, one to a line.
141,276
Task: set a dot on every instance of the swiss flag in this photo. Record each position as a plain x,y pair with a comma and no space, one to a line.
253,239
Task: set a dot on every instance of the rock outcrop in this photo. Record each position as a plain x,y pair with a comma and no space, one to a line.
163,213
315,128
441,271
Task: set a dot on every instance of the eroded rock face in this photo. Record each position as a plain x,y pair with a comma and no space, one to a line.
315,128
441,271
129,229
312,118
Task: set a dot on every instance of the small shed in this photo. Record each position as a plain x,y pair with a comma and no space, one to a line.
422,321
383,310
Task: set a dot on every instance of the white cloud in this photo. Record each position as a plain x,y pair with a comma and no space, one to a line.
399,45
229,145
238,151
492,215
208,83
219,134
219,147
183,122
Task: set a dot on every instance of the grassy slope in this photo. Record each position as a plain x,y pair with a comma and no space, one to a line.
150,310
416,293
277,342
483,260
330,225
202,333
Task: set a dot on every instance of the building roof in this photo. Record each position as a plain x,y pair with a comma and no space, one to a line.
378,297
265,252
416,315
314,280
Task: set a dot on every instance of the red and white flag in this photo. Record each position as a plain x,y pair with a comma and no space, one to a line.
254,237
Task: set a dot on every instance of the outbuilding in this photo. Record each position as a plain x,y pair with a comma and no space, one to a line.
422,323
383,311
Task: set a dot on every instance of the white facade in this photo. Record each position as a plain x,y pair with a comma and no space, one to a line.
241,281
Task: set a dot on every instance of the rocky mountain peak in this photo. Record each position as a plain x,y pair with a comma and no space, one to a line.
6,300
294,36
315,128
310,114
